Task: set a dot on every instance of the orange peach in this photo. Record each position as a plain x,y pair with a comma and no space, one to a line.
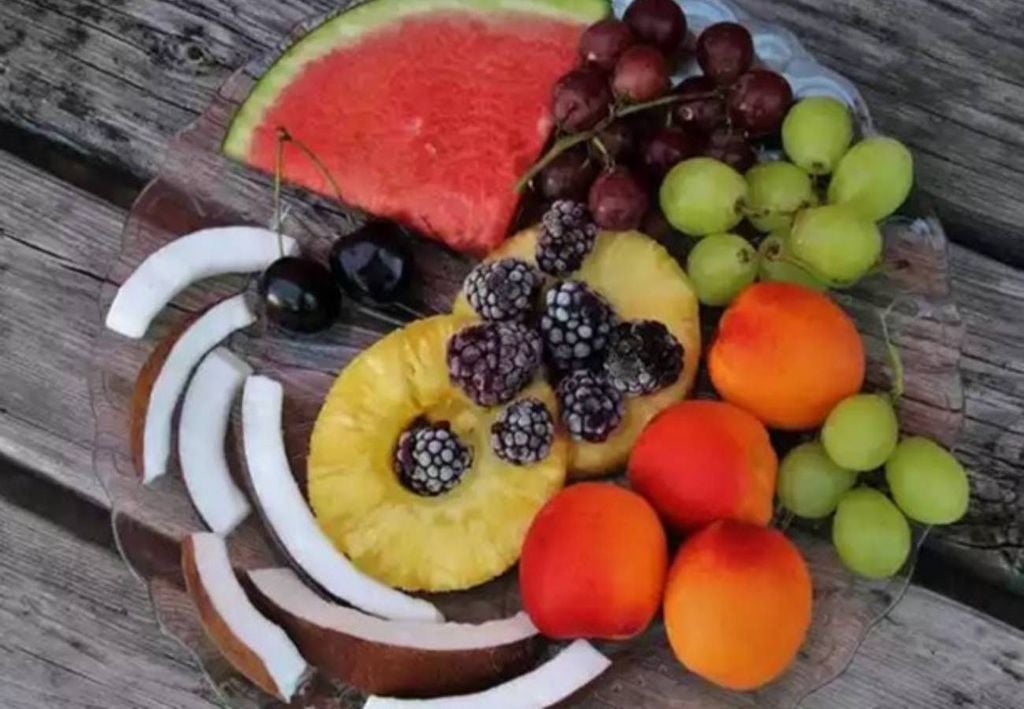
786,354
593,564
738,604
701,461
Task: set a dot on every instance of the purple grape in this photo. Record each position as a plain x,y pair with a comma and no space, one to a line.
617,140
758,102
568,176
730,147
657,22
724,51
581,99
618,200
668,147
604,42
641,74
705,111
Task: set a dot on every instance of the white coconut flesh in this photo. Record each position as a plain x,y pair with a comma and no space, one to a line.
203,335
292,521
193,257
263,638
557,679
285,589
205,416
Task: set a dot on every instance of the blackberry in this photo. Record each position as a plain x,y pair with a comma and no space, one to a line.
643,357
523,433
575,326
430,459
503,290
591,407
567,235
493,362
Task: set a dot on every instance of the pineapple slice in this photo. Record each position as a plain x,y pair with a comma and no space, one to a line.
456,540
642,281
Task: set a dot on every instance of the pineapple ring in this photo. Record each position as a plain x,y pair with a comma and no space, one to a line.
642,281
456,540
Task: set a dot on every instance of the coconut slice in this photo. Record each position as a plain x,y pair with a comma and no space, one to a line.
396,658
253,645
193,257
164,376
555,680
292,522
205,416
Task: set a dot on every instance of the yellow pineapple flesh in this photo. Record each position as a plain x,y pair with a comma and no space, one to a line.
642,281
456,540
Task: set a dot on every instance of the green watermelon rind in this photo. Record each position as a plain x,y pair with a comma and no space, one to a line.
348,27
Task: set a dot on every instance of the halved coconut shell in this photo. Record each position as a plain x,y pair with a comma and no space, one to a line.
395,658
193,257
557,679
292,522
205,415
164,376
252,644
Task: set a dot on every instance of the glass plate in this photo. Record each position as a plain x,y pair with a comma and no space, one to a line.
198,188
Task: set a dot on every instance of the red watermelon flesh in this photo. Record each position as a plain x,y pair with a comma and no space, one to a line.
429,120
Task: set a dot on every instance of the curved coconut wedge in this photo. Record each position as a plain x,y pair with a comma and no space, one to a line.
398,658
205,416
193,257
253,645
164,376
555,680
292,522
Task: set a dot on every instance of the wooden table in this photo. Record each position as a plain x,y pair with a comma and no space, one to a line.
90,92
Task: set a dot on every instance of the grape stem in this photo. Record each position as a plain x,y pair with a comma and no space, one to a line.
895,360
570,141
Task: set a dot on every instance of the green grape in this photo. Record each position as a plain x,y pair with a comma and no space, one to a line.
874,178
810,483
720,266
703,196
835,243
927,482
816,133
870,533
861,432
776,191
774,264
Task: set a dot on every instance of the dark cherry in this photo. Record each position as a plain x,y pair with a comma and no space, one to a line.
568,176
701,107
617,140
661,23
758,102
641,74
300,295
581,99
604,42
732,148
373,264
724,51
668,147
618,200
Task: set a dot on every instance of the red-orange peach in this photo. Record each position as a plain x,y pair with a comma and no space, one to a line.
593,564
786,354
701,461
738,604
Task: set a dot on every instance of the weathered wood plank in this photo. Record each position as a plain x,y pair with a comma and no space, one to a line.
116,78
78,629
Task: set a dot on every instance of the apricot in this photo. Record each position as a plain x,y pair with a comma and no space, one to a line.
593,564
701,461
737,604
786,354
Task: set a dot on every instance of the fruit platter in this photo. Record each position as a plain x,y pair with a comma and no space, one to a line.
483,353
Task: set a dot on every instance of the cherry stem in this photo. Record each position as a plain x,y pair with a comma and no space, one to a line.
570,141
285,136
278,168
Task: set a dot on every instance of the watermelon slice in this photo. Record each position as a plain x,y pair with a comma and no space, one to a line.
424,111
